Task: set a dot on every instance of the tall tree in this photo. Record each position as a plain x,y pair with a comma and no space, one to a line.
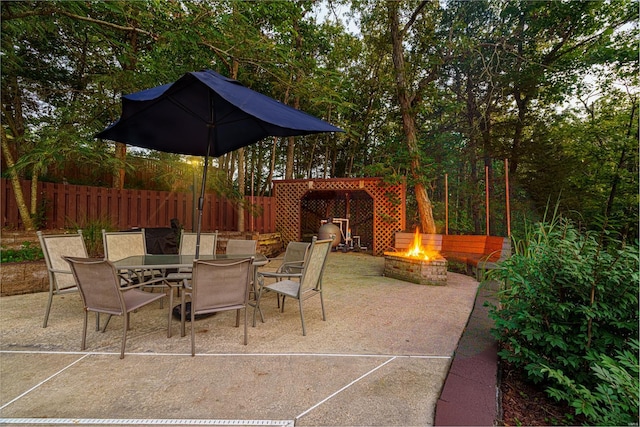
410,90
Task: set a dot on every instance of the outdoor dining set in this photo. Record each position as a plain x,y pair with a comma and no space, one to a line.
207,283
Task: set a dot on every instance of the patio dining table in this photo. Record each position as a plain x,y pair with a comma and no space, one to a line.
165,262
170,261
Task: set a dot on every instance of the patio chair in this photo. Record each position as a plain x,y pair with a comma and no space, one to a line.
310,280
208,242
246,247
218,286
99,285
61,280
292,262
294,256
123,244
242,247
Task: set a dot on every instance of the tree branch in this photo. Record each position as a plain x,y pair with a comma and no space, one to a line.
108,24
414,16
52,11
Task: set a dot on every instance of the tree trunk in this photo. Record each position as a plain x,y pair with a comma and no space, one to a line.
272,167
15,182
425,208
129,64
34,192
118,175
241,188
616,176
241,164
288,174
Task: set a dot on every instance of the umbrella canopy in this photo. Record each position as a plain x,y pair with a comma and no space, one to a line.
206,114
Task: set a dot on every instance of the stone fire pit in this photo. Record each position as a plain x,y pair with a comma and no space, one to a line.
416,270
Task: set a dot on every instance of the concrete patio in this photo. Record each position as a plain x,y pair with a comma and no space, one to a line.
381,358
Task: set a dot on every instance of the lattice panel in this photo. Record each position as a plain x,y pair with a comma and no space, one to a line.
375,219
313,211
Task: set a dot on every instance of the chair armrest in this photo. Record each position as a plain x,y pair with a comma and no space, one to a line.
295,265
61,271
125,279
278,275
141,284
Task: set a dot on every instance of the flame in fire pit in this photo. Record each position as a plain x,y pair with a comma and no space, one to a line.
417,250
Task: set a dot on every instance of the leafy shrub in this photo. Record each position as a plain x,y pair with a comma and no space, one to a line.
28,252
614,401
92,234
570,305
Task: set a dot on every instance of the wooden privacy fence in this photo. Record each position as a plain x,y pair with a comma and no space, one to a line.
74,205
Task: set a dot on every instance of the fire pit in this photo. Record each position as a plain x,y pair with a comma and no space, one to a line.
416,265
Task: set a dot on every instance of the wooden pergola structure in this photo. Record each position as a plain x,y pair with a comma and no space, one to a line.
376,210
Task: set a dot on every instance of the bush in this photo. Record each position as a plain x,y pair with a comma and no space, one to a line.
614,401
92,233
27,252
570,305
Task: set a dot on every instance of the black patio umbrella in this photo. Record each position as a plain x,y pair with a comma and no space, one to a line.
206,114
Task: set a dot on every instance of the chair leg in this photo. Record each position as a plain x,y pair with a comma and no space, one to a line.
182,313
48,309
257,306
304,331
84,331
258,287
105,325
124,334
193,333
170,308
245,324
324,317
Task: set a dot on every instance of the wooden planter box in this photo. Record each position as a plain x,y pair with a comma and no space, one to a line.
23,278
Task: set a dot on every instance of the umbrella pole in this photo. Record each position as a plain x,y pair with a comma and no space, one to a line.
201,200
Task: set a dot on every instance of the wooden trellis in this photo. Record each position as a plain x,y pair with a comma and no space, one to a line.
376,210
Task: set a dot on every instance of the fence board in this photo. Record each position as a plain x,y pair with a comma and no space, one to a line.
75,205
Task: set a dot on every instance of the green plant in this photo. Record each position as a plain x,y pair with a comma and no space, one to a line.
614,400
92,233
40,216
570,300
27,252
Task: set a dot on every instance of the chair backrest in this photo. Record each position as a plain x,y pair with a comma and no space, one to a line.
296,251
208,242
99,284
122,244
54,247
314,265
242,247
221,285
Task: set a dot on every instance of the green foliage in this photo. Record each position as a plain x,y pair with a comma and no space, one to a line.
490,79
614,400
40,216
27,252
570,304
92,234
